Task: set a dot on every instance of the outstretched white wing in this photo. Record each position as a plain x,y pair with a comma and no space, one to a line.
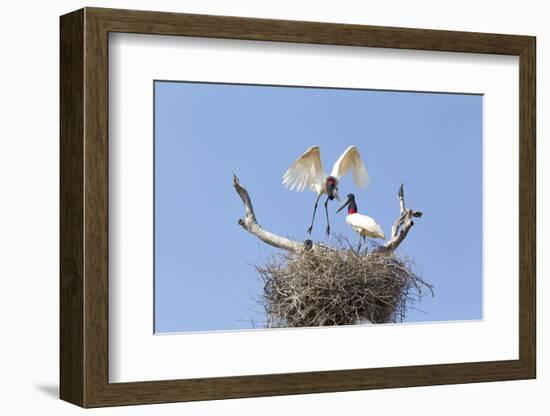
306,171
351,160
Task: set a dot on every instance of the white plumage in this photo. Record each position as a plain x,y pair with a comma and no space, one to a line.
361,224
364,226
307,172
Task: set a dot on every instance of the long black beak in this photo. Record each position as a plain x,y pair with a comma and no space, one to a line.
346,203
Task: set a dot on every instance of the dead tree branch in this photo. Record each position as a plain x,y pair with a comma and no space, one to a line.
250,224
317,285
401,226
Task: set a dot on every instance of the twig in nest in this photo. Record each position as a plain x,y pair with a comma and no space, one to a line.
337,287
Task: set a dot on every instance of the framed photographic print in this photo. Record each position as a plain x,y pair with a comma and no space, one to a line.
255,207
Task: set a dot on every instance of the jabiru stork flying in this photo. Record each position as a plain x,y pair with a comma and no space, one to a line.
307,172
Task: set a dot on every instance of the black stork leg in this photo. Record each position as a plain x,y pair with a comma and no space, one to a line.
326,212
314,210
359,247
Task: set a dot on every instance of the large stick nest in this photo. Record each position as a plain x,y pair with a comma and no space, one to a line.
316,285
338,287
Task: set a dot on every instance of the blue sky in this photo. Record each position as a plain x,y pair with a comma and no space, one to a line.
204,262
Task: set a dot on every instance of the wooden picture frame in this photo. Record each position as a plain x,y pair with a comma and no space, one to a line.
84,207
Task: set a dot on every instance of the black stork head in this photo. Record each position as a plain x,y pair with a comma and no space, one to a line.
350,200
332,187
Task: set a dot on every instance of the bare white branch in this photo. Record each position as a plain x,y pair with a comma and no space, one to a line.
250,224
401,226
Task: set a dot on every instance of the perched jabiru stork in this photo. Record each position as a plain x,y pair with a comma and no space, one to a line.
361,224
307,171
